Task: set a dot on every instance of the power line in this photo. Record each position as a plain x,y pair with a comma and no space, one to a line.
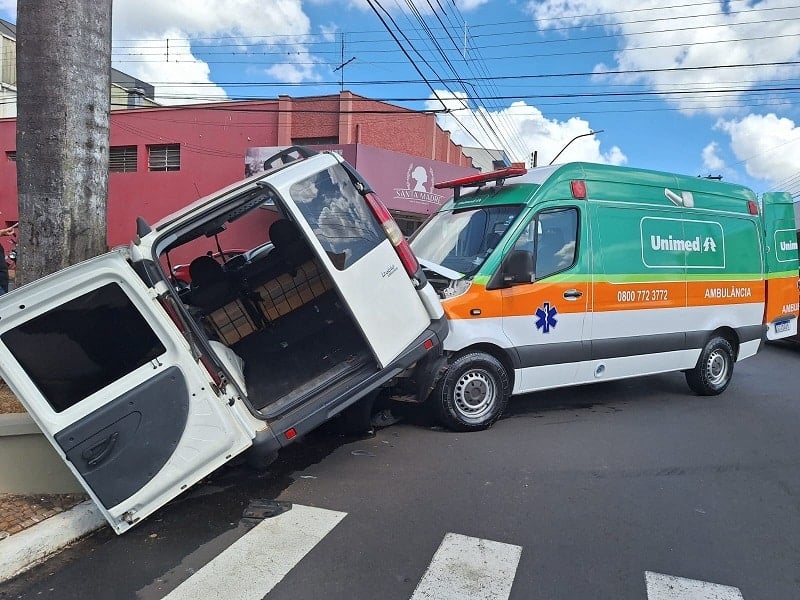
372,4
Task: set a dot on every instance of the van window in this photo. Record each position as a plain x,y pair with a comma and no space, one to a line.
339,216
552,236
462,240
83,345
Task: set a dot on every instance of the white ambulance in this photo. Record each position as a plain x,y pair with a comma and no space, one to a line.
579,273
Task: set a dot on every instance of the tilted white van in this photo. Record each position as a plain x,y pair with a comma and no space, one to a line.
145,384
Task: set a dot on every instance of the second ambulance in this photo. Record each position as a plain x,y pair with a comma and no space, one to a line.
581,272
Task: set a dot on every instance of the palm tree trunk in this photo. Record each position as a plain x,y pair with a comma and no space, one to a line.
63,96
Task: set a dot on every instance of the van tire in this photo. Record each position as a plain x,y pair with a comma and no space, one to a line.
714,368
473,392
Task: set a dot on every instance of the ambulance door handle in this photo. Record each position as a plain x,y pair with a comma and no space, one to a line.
573,294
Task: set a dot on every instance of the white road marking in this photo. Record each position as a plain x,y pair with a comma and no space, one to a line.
469,568
255,563
669,587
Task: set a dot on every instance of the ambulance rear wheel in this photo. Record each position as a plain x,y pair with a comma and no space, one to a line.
714,368
473,392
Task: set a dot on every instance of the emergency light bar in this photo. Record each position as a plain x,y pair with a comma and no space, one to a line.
478,180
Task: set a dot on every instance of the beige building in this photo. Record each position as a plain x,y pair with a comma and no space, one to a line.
126,91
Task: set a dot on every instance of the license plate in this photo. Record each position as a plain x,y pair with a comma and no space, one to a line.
782,326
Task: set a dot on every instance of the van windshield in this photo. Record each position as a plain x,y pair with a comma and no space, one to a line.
462,239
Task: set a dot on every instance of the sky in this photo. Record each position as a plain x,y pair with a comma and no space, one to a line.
705,88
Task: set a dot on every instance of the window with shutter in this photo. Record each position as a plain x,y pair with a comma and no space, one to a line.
122,159
164,157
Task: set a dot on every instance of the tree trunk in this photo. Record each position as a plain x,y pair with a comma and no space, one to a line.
63,97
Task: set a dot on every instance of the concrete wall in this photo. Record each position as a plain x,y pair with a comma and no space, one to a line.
28,463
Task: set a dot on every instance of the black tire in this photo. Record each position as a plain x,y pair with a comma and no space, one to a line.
714,368
473,392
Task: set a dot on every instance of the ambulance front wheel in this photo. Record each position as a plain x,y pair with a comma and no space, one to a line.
714,368
473,392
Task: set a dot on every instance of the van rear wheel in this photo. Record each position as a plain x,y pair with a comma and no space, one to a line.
473,392
714,368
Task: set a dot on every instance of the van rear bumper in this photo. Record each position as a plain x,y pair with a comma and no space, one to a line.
312,414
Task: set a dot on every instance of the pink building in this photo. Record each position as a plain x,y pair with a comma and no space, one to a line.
164,158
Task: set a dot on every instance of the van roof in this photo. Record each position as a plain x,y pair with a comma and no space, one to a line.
613,183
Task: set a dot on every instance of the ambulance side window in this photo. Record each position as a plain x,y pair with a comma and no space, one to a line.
552,236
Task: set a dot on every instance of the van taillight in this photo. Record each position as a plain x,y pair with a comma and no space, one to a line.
394,234
752,207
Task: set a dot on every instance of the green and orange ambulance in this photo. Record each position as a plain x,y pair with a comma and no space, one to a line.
577,273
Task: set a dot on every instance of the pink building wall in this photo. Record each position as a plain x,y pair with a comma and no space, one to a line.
214,139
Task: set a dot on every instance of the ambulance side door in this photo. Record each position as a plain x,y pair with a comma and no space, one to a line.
639,318
545,319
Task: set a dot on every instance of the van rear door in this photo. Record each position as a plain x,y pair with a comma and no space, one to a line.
781,270
112,384
322,199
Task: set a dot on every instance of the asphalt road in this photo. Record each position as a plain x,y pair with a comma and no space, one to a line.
596,485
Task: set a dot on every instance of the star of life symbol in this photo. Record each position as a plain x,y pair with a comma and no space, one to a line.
546,317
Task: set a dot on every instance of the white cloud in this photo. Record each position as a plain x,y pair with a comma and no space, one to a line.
245,18
420,5
181,79
686,36
302,70
329,32
525,129
143,27
768,146
711,159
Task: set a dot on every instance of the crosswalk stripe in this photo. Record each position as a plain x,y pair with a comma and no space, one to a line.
469,568
255,563
669,587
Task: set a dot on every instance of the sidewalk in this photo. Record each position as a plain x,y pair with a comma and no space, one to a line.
21,512
39,526
33,527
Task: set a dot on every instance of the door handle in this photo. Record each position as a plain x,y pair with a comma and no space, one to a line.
573,294
98,453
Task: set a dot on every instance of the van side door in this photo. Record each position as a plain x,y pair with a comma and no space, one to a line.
640,317
545,319
114,387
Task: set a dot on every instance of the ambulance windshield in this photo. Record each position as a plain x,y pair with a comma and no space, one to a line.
462,239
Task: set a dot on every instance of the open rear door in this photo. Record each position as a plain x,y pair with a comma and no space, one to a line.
112,384
364,266
781,272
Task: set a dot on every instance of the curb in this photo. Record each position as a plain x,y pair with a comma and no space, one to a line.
31,546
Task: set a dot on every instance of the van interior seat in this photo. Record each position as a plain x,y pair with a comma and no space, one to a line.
211,286
290,245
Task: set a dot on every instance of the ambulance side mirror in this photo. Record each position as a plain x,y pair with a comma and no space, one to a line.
517,268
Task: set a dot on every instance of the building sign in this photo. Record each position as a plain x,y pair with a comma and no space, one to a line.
419,187
403,182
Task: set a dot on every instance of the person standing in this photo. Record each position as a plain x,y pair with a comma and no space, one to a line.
7,232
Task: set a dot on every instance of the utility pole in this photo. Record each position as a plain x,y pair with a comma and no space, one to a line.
63,98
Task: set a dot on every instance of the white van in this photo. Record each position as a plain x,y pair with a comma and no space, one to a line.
145,384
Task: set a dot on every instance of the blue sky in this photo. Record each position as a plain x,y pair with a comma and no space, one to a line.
701,88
